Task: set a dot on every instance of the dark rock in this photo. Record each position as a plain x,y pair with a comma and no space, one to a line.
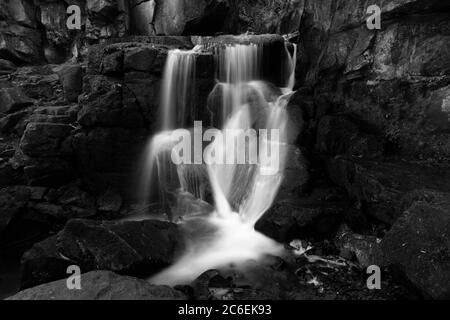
133,248
141,59
292,219
110,201
7,67
20,44
12,201
107,158
364,248
296,173
171,16
144,90
71,77
340,135
112,64
109,110
20,226
40,83
379,187
101,285
22,12
419,245
45,139
53,17
10,122
263,16
49,171
102,8
13,100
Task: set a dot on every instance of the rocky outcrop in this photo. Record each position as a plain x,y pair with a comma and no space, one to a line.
394,80
101,285
419,245
374,106
133,248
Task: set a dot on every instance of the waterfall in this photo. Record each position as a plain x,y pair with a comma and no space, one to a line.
178,108
240,104
177,90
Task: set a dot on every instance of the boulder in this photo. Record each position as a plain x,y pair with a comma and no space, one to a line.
22,12
171,16
13,100
71,77
379,187
143,59
419,244
109,110
291,219
101,285
45,139
137,248
20,44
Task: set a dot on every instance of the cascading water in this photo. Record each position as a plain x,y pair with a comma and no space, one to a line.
242,190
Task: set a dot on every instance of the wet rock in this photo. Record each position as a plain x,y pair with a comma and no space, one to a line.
419,245
45,139
13,100
71,79
134,248
110,201
101,285
292,219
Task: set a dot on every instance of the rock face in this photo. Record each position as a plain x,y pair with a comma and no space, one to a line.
101,285
375,112
133,248
398,92
419,244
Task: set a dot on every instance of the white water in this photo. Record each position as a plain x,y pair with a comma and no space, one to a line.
243,192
